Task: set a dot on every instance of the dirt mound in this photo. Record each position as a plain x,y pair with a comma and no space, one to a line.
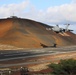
26,33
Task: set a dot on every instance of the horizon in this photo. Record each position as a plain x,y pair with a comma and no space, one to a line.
45,11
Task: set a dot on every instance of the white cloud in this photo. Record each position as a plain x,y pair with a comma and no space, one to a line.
65,13
8,10
62,13
57,14
73,1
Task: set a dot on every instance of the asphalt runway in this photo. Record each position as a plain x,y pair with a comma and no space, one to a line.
20,54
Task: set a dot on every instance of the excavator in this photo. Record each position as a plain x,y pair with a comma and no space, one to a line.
57,29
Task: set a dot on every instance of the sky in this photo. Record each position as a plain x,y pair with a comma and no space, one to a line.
51,12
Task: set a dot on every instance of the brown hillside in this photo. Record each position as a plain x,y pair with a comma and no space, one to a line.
31,34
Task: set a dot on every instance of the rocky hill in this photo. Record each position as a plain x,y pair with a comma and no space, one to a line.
25,33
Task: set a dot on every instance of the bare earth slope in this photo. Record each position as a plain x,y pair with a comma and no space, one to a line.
26,33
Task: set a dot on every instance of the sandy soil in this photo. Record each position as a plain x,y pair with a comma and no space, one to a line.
54,59
24,33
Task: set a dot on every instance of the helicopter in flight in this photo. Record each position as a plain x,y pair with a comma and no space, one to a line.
57,29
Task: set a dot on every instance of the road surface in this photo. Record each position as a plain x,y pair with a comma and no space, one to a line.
23,54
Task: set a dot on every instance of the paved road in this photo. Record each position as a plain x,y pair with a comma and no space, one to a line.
10,55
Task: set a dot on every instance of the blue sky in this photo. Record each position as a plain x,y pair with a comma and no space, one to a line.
46,11
40,4
43,4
